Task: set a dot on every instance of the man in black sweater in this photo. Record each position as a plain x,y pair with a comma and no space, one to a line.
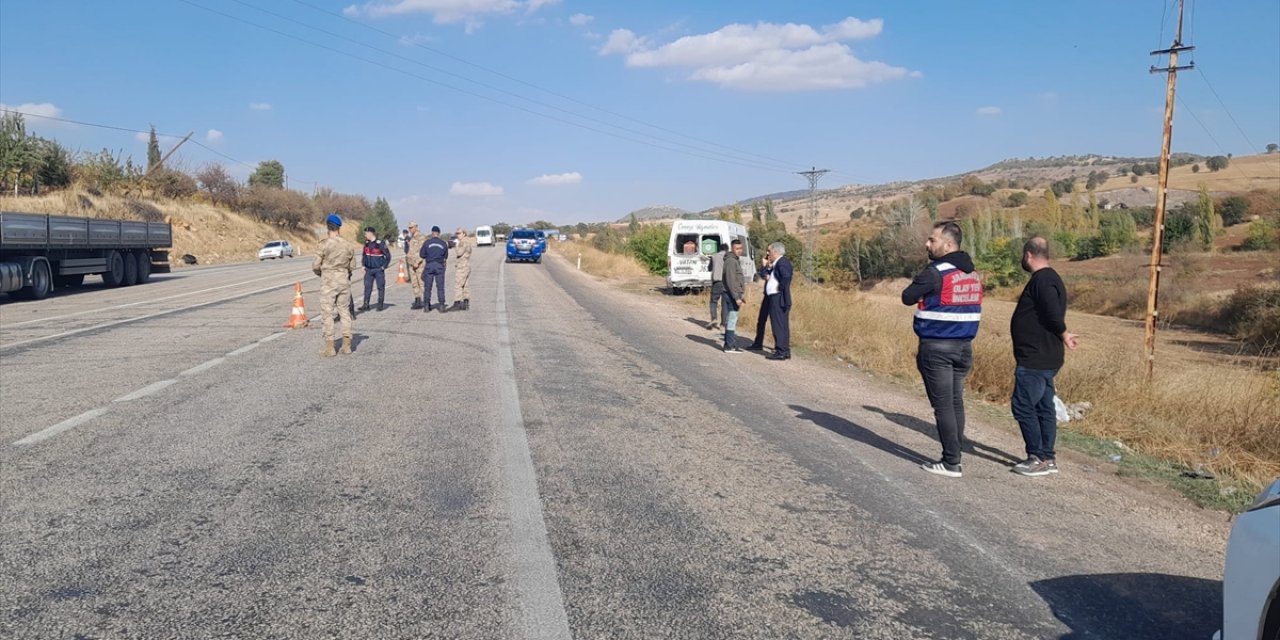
1039,333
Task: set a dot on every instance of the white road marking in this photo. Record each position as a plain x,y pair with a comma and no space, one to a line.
145,391
202,367
540,613
141,302
115,323
65,425
274,336
245,349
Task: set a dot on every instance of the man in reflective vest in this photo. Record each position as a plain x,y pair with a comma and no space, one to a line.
948,295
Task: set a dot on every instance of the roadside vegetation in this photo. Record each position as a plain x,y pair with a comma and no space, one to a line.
216,217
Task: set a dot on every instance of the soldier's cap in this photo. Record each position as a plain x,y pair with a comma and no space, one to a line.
334,220
435,229
413,225
370,230
462,231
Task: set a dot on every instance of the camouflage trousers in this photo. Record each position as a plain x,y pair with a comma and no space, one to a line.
461,278
415,279
336,301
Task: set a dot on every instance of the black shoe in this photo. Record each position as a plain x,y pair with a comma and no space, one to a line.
382,307
756,347
457,306
466,305
426,308
777,356
364,307
440,308
417,304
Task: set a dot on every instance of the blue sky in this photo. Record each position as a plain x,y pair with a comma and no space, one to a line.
875,91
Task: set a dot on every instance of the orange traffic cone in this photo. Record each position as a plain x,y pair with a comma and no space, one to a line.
402,278
298,317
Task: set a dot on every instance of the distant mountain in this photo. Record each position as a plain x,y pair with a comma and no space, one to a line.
1085,161
778,197
658,212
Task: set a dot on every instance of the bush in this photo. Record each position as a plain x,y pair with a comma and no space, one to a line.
221,187
608,240
1218,163
1133,178
1253,315
1016,199
1143,217
895,252
171,183
281,207
1262,236
649,245
1233,210
144,211
104,171
1180,225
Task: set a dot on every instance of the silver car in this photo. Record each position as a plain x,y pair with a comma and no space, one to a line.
276,249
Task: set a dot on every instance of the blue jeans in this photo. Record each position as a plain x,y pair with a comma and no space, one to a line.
1032,405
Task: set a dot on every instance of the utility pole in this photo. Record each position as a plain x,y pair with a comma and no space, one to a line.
1162,190
811,232
166,156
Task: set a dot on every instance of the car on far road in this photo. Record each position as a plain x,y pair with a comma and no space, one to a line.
276,249
1251,580
484,236
526,245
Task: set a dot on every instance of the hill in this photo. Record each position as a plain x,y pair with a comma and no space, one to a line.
658,212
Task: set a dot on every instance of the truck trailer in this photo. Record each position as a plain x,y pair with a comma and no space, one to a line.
39,253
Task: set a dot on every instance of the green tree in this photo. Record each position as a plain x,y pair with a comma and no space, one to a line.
1234,210
1208,222
755,212
1016,199
1053,209
649,245
931,203
270,173
1262,236
769,214
501,229
18,156
382,219
633,226
1195,168
1217,163
153,150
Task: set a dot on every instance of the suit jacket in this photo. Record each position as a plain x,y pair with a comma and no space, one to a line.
783,272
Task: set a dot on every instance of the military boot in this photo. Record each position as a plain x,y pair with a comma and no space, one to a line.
364,307
382,307
466,305
346,346
440,308
327,351
417,304
457,306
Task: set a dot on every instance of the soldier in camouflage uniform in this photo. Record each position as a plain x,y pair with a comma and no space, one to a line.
461,271
416,263
334,263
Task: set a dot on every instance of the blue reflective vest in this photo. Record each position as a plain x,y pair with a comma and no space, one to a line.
952,313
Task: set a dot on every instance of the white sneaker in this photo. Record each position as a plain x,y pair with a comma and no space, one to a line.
942,469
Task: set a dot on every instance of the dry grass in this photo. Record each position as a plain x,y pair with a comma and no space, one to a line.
599,263
1242,174
1198,403
212,234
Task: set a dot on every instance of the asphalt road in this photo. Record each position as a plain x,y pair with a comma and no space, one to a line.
563,460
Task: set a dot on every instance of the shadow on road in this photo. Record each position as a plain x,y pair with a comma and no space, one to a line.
856,432
971,447
1134,606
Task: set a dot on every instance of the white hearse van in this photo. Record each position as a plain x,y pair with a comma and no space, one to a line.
689,268
484,236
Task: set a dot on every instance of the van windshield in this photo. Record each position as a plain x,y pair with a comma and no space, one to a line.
483,233
524,233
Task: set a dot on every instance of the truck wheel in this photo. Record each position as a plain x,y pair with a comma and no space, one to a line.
114,275
144,267
41,282
130,270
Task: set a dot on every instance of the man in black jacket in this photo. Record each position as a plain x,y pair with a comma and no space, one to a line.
949,298
377,255
1039,332
777,291
735,291
434,254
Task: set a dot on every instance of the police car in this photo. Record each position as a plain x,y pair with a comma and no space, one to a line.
526,245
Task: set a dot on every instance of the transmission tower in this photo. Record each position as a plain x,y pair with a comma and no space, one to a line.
810,227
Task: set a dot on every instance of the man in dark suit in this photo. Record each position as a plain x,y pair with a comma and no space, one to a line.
778,293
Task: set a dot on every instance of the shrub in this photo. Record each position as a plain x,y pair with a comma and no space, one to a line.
1253,315
1262,236
1218,163
1116,231
281,207
1016,199
649,245
1233,210
104,171
217,181
171,183
144,211
608,240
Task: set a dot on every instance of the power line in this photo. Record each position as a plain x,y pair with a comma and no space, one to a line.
479,95
540,88
782,166
1252,146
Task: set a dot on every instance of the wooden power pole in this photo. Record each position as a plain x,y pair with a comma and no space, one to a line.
166,156
1157,234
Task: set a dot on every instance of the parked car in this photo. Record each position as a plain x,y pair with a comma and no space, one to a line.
276,249
526,245
1251,580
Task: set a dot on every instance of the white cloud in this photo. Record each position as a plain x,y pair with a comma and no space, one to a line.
34,110
467,12
416,39
142,136
989,111
765,56
557,179
213,136
260,106
475,189
580,19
